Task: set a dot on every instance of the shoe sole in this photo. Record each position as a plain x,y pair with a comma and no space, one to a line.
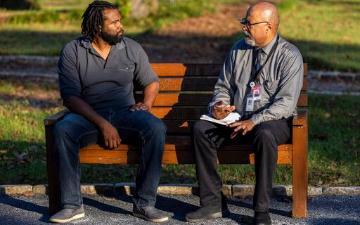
161,220
212,216
78,216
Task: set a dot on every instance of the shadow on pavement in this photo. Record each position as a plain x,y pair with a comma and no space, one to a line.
104,207
180,208
25,205
249,206
337,221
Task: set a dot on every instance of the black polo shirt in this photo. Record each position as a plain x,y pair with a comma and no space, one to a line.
103,83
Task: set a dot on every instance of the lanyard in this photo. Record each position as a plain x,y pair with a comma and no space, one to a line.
255,77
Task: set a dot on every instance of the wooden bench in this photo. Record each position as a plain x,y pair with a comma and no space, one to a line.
185,90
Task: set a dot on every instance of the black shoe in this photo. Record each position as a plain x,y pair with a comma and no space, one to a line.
262,218
203,213
150,213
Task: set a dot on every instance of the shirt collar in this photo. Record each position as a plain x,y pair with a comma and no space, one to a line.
86,43
268,47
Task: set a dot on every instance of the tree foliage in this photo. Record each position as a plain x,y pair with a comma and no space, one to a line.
19,4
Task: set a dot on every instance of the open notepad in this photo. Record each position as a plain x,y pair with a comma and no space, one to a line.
232,117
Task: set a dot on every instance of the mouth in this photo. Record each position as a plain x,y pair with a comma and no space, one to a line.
121,32
247,35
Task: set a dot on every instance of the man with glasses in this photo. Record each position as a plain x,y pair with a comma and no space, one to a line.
261,79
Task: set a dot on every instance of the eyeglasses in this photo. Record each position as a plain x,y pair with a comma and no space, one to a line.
246,22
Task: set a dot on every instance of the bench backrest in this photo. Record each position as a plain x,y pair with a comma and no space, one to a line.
185,91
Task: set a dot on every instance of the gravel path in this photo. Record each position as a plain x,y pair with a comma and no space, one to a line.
324,210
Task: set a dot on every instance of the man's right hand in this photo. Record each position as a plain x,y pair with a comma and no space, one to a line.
111,135
220,111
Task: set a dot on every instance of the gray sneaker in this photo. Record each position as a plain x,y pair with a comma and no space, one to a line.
150,213
67,215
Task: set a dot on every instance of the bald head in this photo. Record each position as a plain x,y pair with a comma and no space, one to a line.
265,11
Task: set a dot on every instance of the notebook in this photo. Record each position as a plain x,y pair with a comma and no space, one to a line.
231,118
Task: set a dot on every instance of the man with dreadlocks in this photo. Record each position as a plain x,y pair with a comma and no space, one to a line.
96,76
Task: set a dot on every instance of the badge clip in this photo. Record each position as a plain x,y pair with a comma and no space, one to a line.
252,84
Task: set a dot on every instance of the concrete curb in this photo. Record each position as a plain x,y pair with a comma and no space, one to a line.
320,74
28,74
50,72
35,64
108,189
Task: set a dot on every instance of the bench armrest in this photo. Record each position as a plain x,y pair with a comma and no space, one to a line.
51,120
300,119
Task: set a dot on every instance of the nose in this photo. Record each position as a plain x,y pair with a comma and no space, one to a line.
119,28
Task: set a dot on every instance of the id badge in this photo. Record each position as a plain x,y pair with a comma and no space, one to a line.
249,103
255,91
252,97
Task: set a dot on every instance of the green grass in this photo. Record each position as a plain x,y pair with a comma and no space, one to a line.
334,146
325,31
334,140
47,30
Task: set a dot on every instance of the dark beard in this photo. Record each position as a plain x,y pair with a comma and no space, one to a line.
111,39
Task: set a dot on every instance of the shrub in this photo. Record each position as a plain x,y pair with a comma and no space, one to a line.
19,4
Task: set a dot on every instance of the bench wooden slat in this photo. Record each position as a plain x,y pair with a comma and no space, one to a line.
187,84
195,84
201,69
198,99
179,69
174,154
179,112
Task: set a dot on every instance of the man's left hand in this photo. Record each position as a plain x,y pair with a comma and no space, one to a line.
140,106
241,126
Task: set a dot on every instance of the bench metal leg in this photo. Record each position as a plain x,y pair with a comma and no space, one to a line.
300,171
52,172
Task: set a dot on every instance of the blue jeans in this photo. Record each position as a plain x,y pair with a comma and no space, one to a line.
139,127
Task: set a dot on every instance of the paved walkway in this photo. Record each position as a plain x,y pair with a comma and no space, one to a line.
324,210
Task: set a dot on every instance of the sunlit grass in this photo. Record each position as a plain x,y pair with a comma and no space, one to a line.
325,31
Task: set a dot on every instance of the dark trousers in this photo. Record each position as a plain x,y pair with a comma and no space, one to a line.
139,127
265,137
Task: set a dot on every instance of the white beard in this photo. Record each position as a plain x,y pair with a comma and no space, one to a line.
249,40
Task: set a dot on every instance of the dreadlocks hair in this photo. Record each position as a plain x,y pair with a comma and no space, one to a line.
93,18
